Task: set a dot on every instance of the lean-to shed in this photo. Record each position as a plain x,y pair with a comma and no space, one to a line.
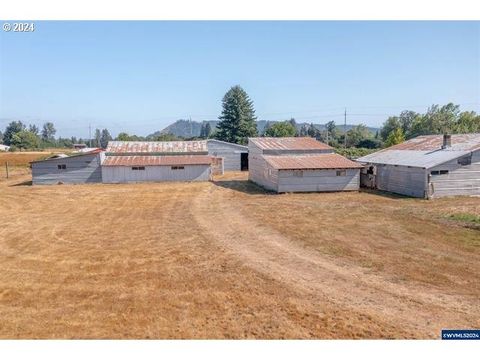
76,169
427,166
131,161
300,165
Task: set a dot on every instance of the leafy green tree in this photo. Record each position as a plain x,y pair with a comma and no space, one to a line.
123,136
293,122
312,131
357,134
303,130
105,137
25,140
391,124
33,129
48,132
370,143
97,137
468,122
11,129
332,129
281,129
165,137
237,121
208,130
395,137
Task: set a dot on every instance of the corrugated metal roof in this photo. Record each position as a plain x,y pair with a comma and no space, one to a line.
76,154
303,162
157,160
425,151
414,158
289,143
139,147
460,142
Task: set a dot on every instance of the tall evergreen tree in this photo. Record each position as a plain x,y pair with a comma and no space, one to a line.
208,130
237,121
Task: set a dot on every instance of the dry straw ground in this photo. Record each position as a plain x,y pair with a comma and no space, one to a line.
227,260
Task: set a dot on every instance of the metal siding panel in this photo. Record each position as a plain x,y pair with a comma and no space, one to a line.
80,169
230,152
401,180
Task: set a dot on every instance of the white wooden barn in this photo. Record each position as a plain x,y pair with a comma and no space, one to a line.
135,161
429,166
235,156
300,164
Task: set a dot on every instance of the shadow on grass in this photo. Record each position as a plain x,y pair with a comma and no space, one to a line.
23,183
244,186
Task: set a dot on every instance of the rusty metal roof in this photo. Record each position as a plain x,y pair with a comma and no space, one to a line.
311,162
460,142
289,143
156,147
74,155
157,160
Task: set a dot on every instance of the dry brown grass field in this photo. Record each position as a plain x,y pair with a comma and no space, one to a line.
225,259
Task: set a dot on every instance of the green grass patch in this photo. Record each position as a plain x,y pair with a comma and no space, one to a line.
466,217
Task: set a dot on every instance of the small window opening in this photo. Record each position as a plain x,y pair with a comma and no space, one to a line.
341,172
298,173
138,168
178,167
62,167
439,172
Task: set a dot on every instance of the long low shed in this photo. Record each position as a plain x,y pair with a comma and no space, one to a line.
130,169
429,166
75,169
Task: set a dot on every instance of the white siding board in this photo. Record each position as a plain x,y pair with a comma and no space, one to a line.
402,180
125,174
231,153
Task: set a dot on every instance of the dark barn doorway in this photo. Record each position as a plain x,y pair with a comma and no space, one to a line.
244,161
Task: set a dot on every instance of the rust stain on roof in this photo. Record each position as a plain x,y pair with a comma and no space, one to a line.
159,147
289,143
157,160
460,142
311,162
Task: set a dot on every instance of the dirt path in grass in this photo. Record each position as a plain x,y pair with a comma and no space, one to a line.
421,309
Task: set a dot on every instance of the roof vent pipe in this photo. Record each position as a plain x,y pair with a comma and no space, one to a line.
447,141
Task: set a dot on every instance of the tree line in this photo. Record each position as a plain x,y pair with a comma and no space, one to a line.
238,123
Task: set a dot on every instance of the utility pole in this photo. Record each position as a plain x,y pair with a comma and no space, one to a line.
345,129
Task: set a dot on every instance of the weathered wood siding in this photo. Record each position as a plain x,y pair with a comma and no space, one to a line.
231,153
318,180
125,174
404,180
259,171
460,180
79,169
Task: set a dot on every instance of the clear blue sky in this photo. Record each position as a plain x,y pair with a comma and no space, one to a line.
141,76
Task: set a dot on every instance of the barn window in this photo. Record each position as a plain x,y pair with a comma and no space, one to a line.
178,167
61,167
467,160
138,168
341,172
439,172
298,173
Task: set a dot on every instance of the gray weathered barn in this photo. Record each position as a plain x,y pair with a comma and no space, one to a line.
235,157
75,169
134,161
427,166
300,165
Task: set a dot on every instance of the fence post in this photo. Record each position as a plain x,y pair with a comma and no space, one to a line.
6,167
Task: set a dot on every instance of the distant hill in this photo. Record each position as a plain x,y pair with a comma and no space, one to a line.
189,128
